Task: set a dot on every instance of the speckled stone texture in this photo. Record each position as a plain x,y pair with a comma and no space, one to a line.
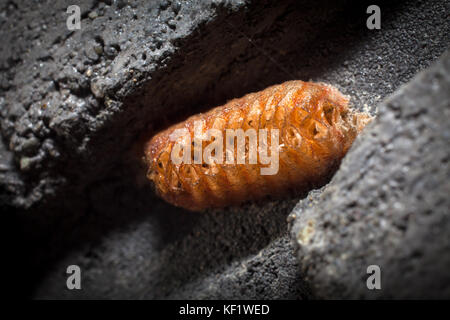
74,103
389,204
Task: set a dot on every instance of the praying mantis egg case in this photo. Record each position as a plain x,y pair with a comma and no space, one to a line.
315,129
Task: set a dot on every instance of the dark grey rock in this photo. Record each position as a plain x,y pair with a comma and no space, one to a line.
223,254
388,205
78,196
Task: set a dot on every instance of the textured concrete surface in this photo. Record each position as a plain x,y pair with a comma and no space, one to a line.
72,105
388,205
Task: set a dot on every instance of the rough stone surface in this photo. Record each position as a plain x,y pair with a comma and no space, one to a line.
388,205
228,254
73,103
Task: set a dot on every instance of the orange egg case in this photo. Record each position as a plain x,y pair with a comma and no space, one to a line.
316,128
